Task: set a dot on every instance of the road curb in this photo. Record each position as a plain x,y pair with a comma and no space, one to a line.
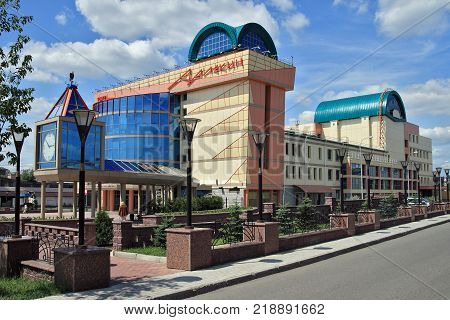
187,293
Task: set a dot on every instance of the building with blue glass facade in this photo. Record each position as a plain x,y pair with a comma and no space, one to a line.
142,128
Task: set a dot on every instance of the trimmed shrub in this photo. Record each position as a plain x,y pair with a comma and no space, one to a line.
103,229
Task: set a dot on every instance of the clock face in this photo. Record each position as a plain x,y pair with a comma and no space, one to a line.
48,147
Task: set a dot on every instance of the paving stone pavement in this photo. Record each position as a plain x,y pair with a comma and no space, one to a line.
123,269
189,283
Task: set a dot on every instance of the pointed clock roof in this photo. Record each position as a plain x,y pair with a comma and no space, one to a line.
68,101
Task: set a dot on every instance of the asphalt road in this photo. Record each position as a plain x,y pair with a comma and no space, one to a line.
416,266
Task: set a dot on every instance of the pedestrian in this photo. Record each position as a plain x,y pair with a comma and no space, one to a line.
123,210
25,209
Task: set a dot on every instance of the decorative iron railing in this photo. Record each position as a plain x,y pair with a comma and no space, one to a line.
7,231
226,233
49,241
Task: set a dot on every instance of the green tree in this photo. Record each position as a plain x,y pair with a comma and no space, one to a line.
284,218
103,229
388,206
159,238
14,66
232,228
27,175
306,216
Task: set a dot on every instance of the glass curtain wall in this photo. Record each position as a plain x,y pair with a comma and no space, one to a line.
142,128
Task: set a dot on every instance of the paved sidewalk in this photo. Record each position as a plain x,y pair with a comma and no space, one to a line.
186,284
125,269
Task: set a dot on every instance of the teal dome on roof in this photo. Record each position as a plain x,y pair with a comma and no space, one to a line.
217,38
362,106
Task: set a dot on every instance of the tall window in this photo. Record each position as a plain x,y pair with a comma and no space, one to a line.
319,151
287,171
320,173
309,173
329,154
287,148
309,152
330,174
252,41
299,172
299,150
293,149
315,173
213,44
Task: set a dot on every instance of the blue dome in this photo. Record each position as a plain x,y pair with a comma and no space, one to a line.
217,38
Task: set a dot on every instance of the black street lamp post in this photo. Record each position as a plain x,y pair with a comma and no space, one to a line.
260,140
18,138
83,119
368,157
435,182
341,153
404,164
447,173
439,170
189,125
417,167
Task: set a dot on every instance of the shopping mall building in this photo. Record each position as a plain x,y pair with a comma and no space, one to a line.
235,83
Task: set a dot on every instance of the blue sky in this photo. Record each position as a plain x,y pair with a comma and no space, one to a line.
106,41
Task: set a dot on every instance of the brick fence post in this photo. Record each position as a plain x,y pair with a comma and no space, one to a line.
267,232
188,249
122,234
344,220
23,221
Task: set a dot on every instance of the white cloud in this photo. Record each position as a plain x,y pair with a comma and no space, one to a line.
360,6
306,116
438,134
169,23
61,18
332,95
431,97
283,5
394,16
95,59
42,76
295,23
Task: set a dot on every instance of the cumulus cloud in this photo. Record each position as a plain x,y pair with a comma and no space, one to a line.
441,144
96,59
61,18
438,134
359,6
169,23
295,23
394,16
283,5
333,95
431,97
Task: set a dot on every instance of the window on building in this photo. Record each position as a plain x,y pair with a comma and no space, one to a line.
356,169
299,150
293,172
293,150
373,171
356,183
299,172
320,173
396,173
287,171
330,174
319,153
287,148
384,172
309,152
315,173
329,154
309,173
337,174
